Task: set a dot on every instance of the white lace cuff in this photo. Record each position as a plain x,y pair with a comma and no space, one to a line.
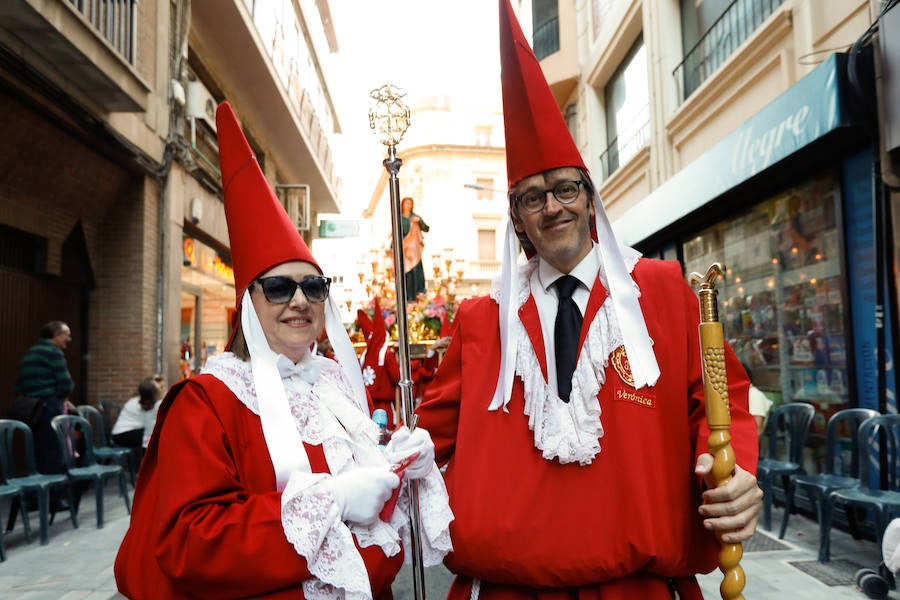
311,522
435,516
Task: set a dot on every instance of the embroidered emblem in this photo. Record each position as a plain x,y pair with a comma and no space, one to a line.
368,375
620,363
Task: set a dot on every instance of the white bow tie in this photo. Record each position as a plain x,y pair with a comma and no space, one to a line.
306,369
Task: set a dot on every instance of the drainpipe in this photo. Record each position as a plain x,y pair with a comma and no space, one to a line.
173,142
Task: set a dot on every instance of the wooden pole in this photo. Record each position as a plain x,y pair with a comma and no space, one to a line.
718,417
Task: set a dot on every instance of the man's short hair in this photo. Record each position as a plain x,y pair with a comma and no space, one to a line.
51,329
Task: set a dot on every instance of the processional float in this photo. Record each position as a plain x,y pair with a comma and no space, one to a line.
389,119
718,418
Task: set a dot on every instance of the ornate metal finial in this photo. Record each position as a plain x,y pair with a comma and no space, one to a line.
709,280
709,309
388,116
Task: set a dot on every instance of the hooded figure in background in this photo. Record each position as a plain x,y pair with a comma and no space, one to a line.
569,407
380,369
263,477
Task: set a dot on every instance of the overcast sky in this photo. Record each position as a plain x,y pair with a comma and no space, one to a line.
427,47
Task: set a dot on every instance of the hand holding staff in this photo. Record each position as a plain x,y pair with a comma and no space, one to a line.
718,417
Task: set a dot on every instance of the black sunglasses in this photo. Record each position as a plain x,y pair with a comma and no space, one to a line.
281,289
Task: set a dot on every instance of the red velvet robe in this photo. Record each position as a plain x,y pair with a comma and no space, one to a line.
207,516
615,529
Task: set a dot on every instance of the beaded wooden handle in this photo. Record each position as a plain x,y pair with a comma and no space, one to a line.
718,417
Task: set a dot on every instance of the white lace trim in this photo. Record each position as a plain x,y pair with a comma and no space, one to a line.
567,431
325,414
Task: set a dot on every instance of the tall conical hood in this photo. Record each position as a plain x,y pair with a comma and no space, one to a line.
260,232
537,138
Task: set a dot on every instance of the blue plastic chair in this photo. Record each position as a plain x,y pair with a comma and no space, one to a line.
72,429
879,447
789,422
103,449
845,424
24,473
10,490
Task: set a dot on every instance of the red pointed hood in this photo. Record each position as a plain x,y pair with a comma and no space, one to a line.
537,138
445,325
365,323
260,232
378,336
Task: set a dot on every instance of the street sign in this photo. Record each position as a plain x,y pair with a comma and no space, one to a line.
338,229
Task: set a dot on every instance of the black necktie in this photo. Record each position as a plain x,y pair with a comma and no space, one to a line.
566,333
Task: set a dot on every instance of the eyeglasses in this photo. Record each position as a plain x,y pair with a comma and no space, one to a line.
565,192
281,289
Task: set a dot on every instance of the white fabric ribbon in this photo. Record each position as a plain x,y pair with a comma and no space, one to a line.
635,336
282,438
509,288
344,353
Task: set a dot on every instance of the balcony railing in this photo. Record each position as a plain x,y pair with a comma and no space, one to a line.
633,136
114,20
546,38
737,23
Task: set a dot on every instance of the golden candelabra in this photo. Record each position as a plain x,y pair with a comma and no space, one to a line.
447,274
377,276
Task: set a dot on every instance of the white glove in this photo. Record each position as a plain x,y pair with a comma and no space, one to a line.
361,493
403,444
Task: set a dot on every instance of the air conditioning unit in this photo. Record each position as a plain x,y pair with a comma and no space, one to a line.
295,198
200,104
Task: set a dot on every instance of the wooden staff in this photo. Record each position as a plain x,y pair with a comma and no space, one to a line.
718,417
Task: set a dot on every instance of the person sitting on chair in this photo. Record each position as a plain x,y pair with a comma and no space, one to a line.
135,423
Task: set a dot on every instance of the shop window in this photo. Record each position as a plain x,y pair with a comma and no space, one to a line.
783,296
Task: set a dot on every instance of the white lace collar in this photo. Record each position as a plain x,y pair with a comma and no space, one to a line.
324,413
567,431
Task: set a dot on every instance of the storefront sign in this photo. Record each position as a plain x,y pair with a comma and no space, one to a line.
205,259
807,111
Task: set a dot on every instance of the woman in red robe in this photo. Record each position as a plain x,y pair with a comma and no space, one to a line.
263,477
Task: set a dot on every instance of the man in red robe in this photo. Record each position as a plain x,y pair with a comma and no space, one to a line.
587,476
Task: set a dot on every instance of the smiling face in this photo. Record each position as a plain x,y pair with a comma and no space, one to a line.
560,233
290,327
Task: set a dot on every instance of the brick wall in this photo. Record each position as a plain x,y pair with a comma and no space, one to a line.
122,308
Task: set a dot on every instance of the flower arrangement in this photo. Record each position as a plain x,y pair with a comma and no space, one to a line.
424,317
426,314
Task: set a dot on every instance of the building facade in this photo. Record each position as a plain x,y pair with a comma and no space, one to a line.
111,214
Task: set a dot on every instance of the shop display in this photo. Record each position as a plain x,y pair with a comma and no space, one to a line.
782,301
